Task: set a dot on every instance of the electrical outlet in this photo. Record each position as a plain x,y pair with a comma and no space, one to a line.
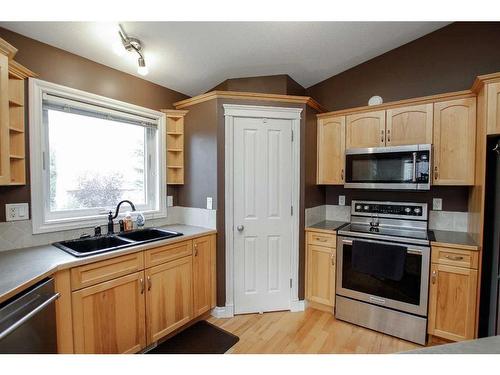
341,200
437,204
209,203
17,211
170,201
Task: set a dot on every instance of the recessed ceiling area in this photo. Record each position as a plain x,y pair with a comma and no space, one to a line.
193,57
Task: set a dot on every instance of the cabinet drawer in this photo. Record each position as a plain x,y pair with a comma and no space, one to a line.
321,239
95,273
455,257
167,253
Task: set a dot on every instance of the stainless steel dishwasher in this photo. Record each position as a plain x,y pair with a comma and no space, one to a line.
27,321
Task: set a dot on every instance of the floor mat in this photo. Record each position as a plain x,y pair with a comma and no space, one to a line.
201,338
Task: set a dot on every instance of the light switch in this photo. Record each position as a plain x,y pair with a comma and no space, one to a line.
437,204
170,200
341,200
17,211
209,203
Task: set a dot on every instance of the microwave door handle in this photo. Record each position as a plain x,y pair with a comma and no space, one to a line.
414,167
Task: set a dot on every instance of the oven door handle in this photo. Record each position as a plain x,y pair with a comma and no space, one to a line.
408,250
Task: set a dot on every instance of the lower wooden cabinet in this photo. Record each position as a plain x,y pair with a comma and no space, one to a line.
116,313
169,297
110,317
452,301
321,270
203,275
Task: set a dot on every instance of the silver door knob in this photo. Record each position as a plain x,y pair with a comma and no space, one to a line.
240,228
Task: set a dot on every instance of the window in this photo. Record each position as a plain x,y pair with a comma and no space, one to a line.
88,153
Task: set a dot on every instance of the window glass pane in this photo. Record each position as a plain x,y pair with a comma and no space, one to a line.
95,163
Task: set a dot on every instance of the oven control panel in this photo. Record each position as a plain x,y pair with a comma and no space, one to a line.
390,209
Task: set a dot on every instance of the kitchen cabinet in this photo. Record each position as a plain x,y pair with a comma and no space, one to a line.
365,130
169,297
454,142
110,317
320,263
331,151
453,294
410,125
203,274
4,120
493,111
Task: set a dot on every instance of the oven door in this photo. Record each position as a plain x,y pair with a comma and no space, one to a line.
399,167
410,294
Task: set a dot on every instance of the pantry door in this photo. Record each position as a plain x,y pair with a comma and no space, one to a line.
262,209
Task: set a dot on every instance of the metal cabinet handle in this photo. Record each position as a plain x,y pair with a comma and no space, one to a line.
342,175
332,257
454,257
195,250
141,281
319,239
388,136
433,277
436,174
149,283
382,137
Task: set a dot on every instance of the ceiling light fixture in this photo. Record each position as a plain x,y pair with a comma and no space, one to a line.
134,45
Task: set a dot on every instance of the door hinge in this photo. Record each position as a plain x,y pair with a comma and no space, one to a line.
291,283
292,135
291,210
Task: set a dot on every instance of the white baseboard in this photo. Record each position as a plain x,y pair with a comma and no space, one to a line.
223,312
298,306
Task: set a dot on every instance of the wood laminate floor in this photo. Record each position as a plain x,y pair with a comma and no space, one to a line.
310,331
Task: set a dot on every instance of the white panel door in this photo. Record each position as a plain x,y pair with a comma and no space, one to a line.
262,214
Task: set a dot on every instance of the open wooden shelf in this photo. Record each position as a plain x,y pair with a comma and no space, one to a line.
175,146
12,127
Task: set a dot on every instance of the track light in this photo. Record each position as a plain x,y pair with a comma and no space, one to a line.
134,45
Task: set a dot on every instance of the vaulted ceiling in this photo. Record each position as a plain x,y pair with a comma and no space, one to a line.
192,57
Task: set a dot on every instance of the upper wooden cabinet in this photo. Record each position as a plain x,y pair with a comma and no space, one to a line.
493,111
331,151
365,130
4,120
454,142
109,318
409,125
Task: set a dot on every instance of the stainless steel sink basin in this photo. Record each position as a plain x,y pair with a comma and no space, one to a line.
148,235
95,245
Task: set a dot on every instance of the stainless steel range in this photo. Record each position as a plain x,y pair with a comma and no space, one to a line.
383,259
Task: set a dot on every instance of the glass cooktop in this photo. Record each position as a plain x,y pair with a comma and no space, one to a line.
399,234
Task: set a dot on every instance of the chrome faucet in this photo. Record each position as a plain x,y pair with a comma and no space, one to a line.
117,211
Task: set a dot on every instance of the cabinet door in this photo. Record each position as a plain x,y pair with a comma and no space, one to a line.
331,150
365,130
409,125
493,111
452,302
109,317
321,274
4,121
454,142
203,278
169,297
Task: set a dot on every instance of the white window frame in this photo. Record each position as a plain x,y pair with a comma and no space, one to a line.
41,221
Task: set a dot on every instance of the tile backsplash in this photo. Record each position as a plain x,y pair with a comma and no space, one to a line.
439,220
18,234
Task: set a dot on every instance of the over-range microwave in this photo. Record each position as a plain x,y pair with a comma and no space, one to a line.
395,167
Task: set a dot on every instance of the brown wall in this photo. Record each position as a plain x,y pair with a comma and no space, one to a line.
443,61
276,84
58,66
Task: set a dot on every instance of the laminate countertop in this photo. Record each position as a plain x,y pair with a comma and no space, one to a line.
21,268
461,240
486,345
326,226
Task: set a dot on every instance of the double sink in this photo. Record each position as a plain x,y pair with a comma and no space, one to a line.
83,247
